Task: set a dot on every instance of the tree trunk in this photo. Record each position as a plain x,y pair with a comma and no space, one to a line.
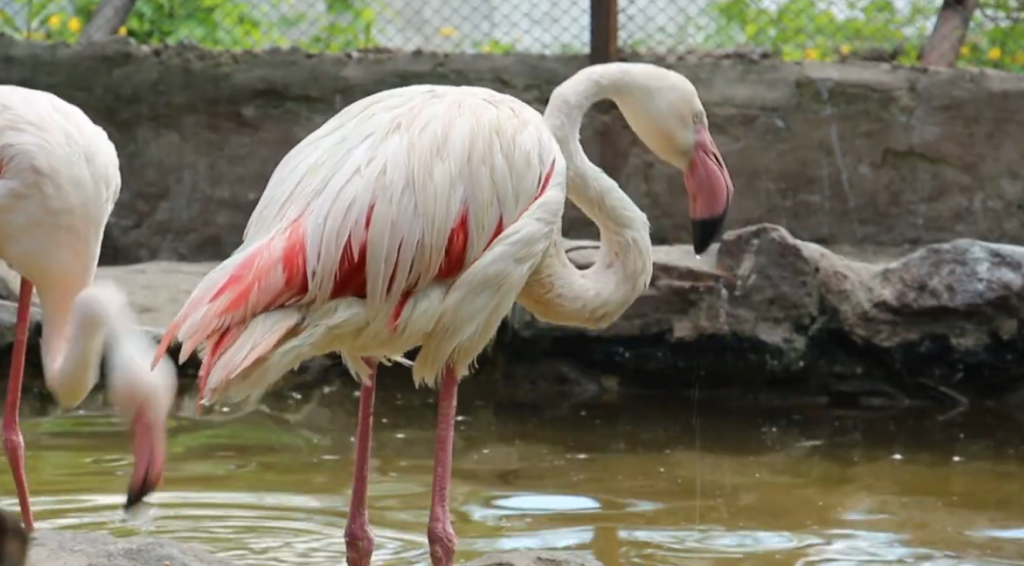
943,46
108,17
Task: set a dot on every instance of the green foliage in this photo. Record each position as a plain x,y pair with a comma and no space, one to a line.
39,20
805,29
348,26
996,36
494,46
794,29
213,24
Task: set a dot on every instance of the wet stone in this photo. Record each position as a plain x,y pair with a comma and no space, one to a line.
532,558
67,548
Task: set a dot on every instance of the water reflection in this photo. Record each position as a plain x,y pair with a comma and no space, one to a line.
629,480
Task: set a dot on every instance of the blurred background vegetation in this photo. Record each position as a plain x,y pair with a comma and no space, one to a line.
981,33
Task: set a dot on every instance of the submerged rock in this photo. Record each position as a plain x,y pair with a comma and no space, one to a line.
69,548
942,322
13,540
533,558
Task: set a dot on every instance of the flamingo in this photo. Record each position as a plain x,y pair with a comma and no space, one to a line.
417,217
59,180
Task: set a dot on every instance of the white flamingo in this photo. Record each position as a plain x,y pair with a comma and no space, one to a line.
417,217
59,180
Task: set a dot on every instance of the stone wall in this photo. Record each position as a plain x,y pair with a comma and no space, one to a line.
838,154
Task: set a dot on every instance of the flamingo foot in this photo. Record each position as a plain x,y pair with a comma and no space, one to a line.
359,544
14,443
440,533
14,448
442,539
359,541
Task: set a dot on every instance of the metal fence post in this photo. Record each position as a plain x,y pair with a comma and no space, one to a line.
604,48
604,31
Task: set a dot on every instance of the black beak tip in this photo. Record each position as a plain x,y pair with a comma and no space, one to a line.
135,496
705,231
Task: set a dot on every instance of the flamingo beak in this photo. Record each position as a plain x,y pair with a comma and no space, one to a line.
710,190
149,439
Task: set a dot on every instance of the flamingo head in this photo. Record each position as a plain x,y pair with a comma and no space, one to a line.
147,400
142,395
149,441
663,108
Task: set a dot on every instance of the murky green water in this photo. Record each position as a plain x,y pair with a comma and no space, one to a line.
639,481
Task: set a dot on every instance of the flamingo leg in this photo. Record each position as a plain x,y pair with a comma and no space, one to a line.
14,444
358,537
439,531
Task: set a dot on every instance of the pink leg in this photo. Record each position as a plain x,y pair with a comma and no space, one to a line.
439,531
358,538
14,444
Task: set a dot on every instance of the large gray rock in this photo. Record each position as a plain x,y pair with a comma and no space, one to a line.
941,322
839,153
70,548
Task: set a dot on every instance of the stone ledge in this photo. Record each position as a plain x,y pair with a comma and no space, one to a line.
944,319
864,153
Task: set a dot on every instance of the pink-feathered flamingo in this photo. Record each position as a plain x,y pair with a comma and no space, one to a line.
417,217
59,180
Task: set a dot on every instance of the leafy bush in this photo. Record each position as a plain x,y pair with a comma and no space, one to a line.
349,26
214,24
806,29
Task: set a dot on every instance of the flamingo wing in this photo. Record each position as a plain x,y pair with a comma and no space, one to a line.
398,190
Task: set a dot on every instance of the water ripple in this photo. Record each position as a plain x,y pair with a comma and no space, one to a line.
263,491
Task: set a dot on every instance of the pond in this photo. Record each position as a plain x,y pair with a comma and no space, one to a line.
641,479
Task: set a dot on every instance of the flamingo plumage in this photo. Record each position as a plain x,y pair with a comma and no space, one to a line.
59,180
417,217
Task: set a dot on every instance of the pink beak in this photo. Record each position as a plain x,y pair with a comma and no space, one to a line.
710,189
149,439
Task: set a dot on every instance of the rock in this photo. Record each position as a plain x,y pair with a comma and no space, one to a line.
879,325
156,290
860,154
943,322
534,558
70,548
13,540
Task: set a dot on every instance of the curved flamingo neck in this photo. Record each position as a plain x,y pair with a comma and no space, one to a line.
593,298
72,343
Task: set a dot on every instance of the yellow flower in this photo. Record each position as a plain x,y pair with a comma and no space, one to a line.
447,31
812,53
486,49
845,49
1018,58
74,24
965,50
122,31
54,21
995,53
34,35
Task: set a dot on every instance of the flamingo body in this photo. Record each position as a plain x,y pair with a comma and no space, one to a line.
376,234
59,180
417,217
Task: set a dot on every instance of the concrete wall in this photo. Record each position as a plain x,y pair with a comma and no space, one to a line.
837,154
